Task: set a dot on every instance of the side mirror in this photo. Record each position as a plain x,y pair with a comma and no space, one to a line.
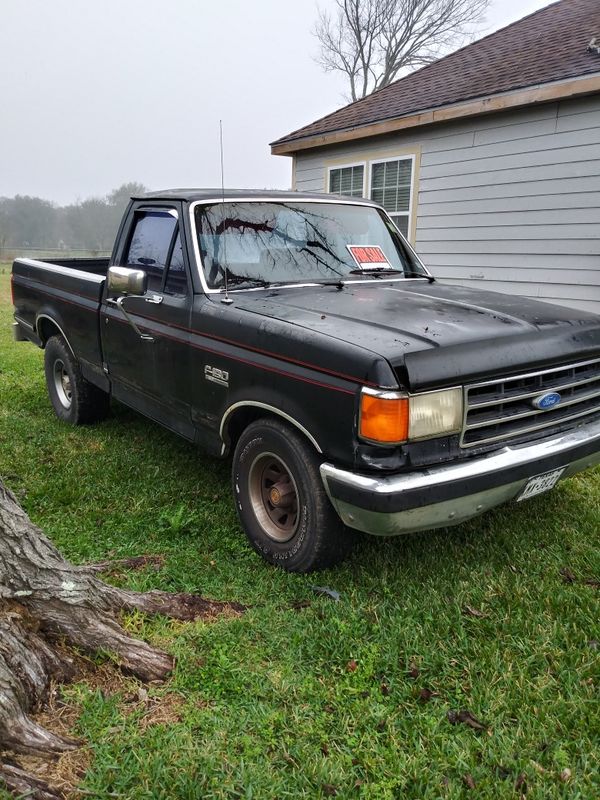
124,281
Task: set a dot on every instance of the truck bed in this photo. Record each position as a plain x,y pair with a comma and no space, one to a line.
62,296
97,266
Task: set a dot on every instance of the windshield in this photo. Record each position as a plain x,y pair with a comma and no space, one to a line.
262,243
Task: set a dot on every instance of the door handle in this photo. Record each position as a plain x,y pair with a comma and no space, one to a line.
154,298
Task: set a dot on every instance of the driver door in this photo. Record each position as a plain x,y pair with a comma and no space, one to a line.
152,374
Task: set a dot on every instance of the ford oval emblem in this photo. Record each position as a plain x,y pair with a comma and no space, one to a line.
546,401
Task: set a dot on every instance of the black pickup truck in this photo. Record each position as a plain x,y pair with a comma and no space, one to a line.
303,334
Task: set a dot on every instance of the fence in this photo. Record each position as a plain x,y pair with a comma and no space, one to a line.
10,253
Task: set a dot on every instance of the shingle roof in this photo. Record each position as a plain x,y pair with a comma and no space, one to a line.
548,45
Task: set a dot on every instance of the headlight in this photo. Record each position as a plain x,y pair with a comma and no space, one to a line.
435,413
394,417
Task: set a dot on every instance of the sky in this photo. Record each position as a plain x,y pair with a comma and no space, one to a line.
96,94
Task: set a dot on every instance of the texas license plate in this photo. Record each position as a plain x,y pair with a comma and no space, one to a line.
541,483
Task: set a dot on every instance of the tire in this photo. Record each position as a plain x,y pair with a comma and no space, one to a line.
75,400
281,501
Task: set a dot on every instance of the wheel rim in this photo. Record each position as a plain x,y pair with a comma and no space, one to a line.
62,384
274,497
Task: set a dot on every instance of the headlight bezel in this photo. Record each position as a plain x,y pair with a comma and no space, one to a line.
447,403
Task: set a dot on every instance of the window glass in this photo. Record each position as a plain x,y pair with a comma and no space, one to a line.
348,181
150,244
176,282
390,187
268,242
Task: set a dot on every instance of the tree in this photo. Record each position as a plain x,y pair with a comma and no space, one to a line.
44,598
28,222
117,203
121,196
372,41
4,224
89,225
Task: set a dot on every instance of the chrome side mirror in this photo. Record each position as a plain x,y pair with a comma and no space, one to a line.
123,281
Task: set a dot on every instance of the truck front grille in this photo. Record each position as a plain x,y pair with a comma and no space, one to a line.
501,410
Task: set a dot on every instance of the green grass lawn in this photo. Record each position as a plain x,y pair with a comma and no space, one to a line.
303,697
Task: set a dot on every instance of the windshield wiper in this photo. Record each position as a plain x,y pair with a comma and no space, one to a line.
377,272
242,282
339,283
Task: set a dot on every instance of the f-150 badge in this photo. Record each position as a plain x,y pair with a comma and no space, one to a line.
216,375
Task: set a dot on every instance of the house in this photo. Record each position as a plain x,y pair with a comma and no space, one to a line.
487,159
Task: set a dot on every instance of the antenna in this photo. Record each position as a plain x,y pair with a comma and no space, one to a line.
227,300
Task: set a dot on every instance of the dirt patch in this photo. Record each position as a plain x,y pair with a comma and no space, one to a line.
60,715
187,607
155,562
166,709
65,773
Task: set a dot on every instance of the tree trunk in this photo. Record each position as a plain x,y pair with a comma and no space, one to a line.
42,598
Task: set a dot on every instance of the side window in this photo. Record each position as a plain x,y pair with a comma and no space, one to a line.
150,245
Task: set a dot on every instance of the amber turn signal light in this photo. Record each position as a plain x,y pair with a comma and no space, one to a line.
383,419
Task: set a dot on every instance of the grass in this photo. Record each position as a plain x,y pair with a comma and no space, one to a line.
303,697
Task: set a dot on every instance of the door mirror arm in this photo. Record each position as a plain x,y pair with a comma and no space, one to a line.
126,282
120,300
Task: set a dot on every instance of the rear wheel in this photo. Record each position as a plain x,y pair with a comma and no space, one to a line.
74,399
281,501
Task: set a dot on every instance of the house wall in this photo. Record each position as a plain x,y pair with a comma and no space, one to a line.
509,201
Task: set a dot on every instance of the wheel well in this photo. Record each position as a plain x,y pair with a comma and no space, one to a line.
46,328
239,421
243,416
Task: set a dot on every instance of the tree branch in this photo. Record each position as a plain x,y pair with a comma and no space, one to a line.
373,41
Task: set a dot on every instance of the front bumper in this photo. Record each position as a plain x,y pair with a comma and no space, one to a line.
452,493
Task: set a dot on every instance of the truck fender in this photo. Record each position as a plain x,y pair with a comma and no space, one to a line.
266,407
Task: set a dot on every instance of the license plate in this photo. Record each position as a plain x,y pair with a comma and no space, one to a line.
541,483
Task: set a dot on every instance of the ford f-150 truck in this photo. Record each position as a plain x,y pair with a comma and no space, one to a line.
302,334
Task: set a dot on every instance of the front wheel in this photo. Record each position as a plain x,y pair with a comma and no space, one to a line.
74,399
281,501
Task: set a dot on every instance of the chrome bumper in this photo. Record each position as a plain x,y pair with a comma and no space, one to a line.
452,493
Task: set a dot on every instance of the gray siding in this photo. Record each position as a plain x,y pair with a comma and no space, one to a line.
509,201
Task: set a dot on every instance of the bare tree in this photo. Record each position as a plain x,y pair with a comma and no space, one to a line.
45,602
372,41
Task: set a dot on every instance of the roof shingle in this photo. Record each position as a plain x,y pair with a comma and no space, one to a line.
546,46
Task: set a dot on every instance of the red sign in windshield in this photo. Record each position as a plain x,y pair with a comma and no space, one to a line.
371,257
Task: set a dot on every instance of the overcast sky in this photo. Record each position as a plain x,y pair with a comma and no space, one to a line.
94,94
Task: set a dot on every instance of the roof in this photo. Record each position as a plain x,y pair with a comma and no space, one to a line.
547,46
215,195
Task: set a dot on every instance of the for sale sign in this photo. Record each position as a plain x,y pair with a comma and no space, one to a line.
369,256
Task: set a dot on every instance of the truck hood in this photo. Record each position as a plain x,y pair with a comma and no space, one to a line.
436,334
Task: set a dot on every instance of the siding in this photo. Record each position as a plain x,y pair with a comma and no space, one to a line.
509,201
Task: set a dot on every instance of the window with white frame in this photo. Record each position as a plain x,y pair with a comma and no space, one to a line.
347,181
387,181
390,184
